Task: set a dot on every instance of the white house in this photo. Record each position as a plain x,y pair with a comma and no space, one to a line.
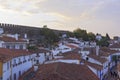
13,42
42,55
98,37
13,62
67,57
95,58
62,48
97,69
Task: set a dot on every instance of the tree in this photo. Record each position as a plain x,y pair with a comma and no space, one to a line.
44,26
49,37
91,36
115,58
79,33
107,36
103,42
70,34
32,48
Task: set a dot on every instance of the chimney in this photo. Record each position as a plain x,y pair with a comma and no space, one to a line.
25,36
35,68
16,36
97,50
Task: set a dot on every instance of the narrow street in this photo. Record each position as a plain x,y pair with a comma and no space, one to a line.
112,75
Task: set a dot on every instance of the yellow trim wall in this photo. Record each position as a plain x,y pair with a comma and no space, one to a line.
1,69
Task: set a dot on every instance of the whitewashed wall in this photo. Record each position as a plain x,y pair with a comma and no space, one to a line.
6,71
94,61
21,67
65,61
42,58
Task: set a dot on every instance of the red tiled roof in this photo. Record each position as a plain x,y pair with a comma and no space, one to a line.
71,55
10,39
64,71
7,54
40,51
93,65
98,58
116,45
71,46
20,52
104,51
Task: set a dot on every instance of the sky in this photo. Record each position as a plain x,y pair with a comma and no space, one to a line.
97,16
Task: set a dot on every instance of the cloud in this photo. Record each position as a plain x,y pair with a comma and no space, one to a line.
59,16
23,6
63,13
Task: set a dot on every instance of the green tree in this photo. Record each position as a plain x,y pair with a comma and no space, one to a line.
49,36
115,59
107,36
70,34
91,36
79,33
32,48
103,42
44,26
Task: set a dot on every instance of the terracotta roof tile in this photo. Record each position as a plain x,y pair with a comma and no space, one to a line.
10,39
96,66
98,58
71,55
7,54
104,51
40,51
64,71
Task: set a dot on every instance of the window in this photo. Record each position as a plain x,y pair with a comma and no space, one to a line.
13,46
19,73
24,60
20,61
0,78
21,46
66,48
34,60
29,58
47,58
14,64
87,58
8,46
10,77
